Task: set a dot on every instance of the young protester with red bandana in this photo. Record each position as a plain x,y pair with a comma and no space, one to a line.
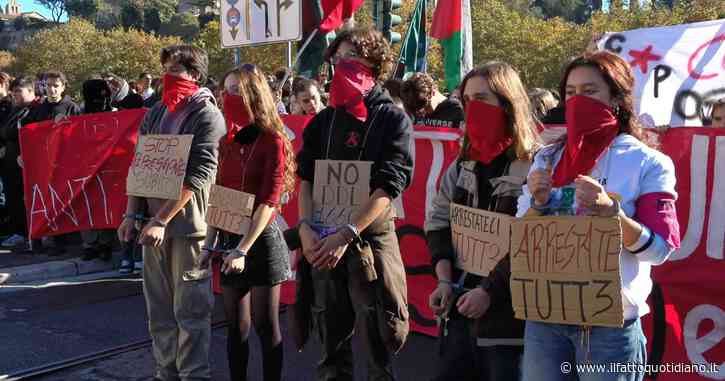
177,286
256,157
480,338
337,291
602,168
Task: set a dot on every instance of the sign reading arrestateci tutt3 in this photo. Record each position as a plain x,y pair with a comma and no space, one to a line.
480,238
566,270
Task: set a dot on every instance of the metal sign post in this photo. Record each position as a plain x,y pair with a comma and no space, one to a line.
256,22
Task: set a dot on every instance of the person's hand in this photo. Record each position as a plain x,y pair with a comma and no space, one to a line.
125,230
441,298
539,182
474,303
152,235
204,258
592,196
309,239
234,263
20,161
593,42
328,251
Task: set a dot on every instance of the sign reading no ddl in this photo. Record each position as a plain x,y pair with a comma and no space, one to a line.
340,188
253,22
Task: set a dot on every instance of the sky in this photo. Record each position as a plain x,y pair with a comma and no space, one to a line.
29,6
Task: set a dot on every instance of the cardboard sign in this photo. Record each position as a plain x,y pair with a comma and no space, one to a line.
480,238
341,187
230,210
566,270
159,166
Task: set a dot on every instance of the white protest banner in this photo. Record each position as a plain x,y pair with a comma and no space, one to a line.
340,188
679,70
159,166
480,238
230,210
566,270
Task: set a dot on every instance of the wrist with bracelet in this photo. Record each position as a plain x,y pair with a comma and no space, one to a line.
158,222
349,232
237,252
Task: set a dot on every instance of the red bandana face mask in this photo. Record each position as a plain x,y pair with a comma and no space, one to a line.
177,89
236,114
486,131
352,80
591,126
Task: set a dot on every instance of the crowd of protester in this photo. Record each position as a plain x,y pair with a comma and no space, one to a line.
351,279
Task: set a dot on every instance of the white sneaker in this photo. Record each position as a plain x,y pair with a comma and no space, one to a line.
13,241
138,267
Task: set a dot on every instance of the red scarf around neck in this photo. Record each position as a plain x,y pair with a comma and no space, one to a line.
591,126
176,89
351,82
486,131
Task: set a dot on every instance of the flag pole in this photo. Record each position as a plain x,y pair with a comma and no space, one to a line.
297,58
407,35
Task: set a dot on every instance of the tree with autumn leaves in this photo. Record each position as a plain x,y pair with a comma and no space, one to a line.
538,47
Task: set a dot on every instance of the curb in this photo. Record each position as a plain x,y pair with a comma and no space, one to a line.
55,269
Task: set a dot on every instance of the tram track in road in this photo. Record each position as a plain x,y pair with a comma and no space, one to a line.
88,358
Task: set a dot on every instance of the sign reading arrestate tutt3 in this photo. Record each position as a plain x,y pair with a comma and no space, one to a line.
566,270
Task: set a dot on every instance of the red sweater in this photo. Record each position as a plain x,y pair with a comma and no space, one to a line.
259,161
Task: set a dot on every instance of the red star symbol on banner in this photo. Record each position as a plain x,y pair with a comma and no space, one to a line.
642,57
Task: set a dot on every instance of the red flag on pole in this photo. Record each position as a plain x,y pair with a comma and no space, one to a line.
335,12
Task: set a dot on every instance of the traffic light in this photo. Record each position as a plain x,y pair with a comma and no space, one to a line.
385,19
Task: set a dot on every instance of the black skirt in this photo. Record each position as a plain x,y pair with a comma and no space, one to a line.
267,262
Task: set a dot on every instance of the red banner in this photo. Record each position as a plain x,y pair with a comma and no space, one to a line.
75,175
687,323
75,171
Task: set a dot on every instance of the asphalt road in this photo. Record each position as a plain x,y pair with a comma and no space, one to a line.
40,326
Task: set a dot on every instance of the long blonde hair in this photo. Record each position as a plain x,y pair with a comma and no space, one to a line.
505,83
257,98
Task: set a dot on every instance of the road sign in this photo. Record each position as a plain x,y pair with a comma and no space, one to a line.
252,22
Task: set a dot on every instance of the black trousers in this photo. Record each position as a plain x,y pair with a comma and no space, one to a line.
12,177
461,359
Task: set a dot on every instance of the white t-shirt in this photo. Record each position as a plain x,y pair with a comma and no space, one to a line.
630,169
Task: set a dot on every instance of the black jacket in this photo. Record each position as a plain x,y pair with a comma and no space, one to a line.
337,135
449,113
10,134
47,110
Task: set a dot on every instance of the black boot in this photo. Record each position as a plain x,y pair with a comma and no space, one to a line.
89,254
105,252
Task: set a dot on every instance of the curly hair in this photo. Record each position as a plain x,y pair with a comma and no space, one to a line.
257,97
417,91
369,44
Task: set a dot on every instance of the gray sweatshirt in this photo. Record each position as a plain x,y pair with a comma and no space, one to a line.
199,116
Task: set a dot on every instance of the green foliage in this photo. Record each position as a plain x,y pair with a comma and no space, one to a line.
151,20
267,57
86,9
87,51
540,48
132,15
184,25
